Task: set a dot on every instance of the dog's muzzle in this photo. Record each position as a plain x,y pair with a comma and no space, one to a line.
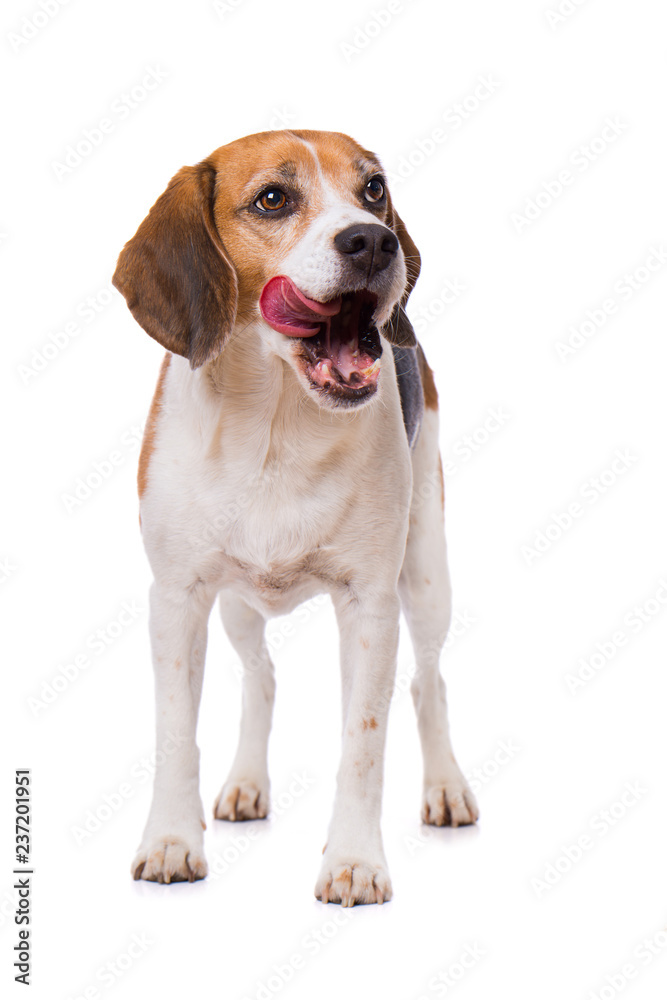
338,340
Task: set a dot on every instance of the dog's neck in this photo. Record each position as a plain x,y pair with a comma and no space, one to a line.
254,409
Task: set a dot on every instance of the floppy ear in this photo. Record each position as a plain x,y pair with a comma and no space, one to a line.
399,328
174,273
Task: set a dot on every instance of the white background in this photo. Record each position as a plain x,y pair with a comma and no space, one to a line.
531,618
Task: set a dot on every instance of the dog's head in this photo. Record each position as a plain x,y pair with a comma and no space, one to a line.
293,232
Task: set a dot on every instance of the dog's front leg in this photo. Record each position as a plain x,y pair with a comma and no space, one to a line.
354,869
172,847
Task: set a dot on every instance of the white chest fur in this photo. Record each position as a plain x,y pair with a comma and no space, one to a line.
259,490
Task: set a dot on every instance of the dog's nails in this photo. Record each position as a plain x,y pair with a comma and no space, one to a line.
138,871
379,898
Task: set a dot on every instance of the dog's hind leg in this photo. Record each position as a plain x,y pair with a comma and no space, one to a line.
425,592
246,792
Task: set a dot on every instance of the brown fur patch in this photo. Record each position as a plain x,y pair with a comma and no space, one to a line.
148,443
428,382
344,162
174,273
257,246
369,723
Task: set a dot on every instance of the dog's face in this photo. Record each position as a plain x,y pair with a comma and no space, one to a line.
293,228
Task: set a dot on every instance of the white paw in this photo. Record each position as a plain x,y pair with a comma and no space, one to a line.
170,859
350,882
240,800
449,803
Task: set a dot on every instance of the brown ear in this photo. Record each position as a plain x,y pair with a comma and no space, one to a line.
174,273
399,328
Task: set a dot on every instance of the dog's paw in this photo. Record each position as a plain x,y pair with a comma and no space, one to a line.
450,803
353,882
169,859
239,800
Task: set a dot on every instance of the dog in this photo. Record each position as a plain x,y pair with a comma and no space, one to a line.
291,449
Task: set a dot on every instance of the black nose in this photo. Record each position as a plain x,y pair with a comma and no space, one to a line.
369,248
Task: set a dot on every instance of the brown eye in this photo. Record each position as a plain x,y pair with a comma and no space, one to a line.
271,200
374,190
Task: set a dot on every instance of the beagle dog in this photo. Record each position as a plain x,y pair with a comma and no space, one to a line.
291,449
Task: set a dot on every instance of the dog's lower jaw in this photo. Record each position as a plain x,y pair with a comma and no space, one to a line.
331,394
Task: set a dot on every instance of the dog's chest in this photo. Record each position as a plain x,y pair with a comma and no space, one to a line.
277,508
277,535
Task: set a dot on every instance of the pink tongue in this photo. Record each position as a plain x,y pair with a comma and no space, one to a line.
289,311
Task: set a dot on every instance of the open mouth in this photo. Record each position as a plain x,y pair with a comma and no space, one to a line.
340,346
